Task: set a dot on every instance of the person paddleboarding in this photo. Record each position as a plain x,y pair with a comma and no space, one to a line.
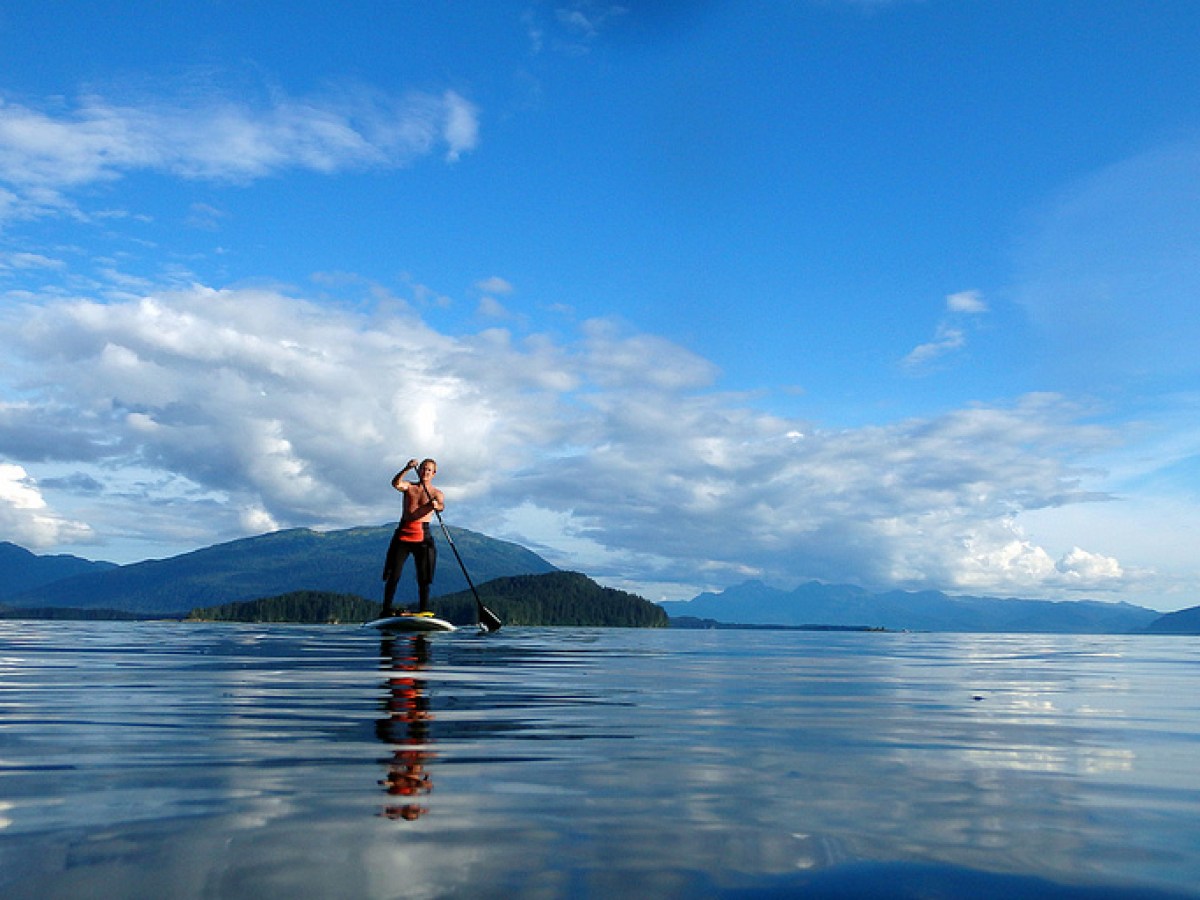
412,536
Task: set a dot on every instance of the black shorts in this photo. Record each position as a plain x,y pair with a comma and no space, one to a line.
423,552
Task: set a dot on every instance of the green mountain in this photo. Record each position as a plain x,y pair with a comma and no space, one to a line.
21,570
347,561
554,598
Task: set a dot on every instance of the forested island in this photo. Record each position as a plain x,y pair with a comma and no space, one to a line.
553,598
307,607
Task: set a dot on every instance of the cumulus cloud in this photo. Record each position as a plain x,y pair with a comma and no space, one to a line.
247,410
1089,568
45,153
25,517
929,502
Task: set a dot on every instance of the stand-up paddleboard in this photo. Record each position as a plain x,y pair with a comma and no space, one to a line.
411,622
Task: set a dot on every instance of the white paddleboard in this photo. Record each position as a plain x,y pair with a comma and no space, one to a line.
410,622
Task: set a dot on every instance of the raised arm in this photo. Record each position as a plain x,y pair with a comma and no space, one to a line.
398,481
421,500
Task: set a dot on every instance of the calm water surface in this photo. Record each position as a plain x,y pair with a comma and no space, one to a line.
156,760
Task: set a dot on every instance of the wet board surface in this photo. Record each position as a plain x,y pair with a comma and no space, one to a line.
410,623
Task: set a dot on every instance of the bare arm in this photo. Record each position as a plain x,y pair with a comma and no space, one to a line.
421,500
398,481
431,499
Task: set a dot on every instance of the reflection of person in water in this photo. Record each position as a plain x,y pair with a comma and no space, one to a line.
406,725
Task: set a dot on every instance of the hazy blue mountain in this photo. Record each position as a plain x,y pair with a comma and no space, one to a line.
348,561
754,603
1185,621
21,570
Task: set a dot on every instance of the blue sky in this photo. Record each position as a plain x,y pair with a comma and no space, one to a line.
679,294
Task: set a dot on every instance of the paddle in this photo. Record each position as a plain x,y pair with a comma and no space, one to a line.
488,620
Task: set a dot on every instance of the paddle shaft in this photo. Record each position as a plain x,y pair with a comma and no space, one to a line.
487,618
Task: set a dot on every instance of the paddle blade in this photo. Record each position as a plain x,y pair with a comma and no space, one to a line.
488,619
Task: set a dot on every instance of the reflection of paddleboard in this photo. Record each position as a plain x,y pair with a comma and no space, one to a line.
411,622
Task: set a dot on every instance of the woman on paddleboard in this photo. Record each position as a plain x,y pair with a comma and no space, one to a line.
412,536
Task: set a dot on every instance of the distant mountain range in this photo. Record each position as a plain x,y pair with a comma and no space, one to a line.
21,570
1186,621
348,561
847,605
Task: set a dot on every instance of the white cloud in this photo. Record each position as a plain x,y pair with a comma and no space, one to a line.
921,504
494,285
29,261
256,520
970,302
44,154
489,305
573,27
585,19
251,410
205,217
25,517
460,129
946,340
950,336
492,308
1088,568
